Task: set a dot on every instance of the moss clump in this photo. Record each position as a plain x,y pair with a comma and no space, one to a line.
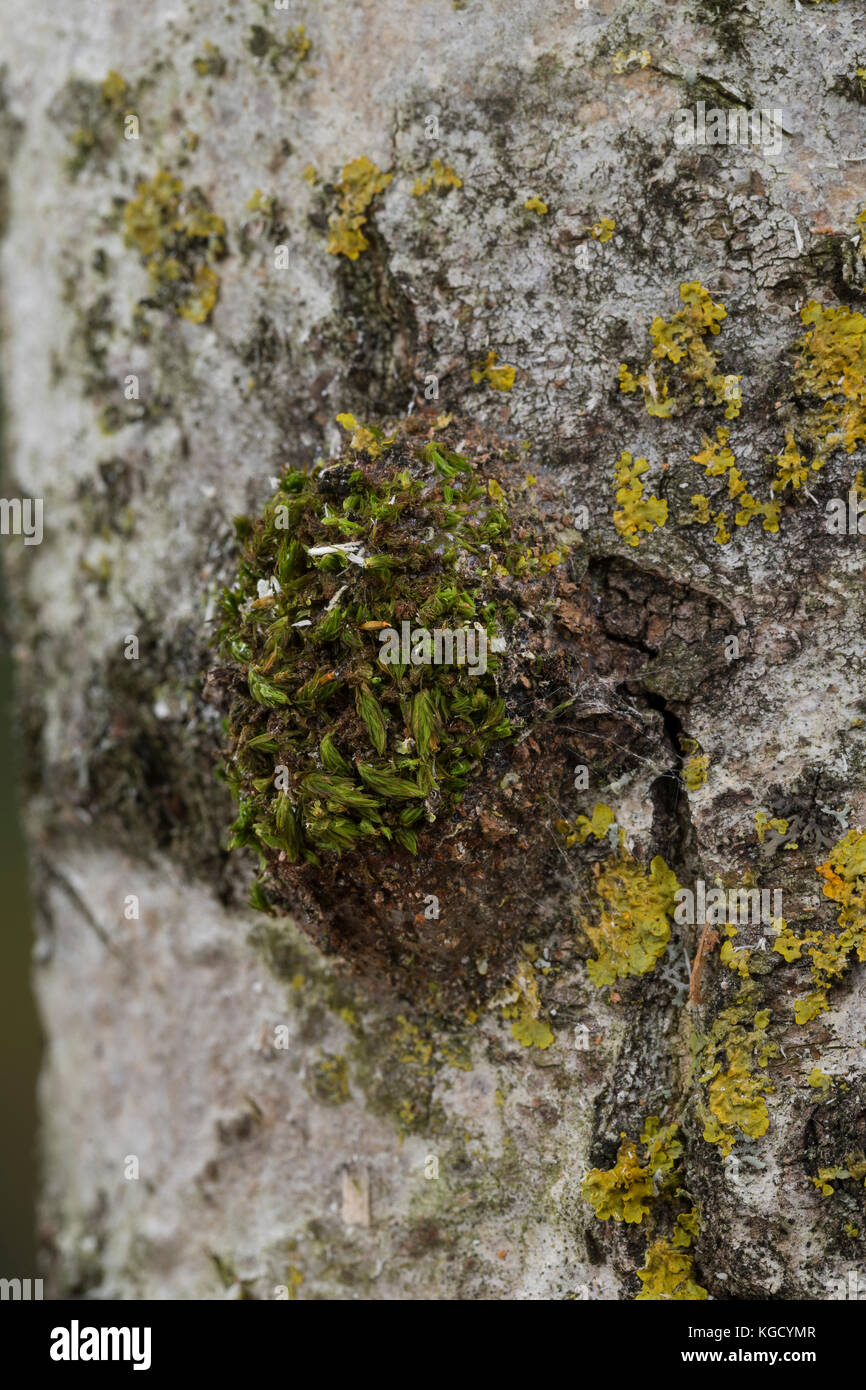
359,184
633,928
355,722
682,342
179,239
627,1191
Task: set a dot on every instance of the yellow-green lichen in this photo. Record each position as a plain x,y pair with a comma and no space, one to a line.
635,58
499,378
726,1056
179,239
440,177
633,926
360,182
578,831
521,1002
627,1190
681,342
763,823
854,1167
535,204
694,772
829,952
635,512
285,53
603,229
211,61
667,1272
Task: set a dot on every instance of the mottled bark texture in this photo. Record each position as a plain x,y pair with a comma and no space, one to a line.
390,1150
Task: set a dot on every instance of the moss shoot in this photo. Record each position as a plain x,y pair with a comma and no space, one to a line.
377,600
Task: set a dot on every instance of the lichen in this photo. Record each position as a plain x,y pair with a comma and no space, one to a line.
635,512
603,229
829,952
179,240
681,341
522,1002
853,1166
498,378
634,907
832,369
98,109
763,823
361,181
211,61
627,1191
536,204
694,771
736,1043
668,1269
441,177
285,54
578,831
635,58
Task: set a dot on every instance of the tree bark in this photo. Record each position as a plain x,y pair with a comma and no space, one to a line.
226,1109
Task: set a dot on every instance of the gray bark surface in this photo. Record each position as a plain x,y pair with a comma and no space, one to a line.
305,1168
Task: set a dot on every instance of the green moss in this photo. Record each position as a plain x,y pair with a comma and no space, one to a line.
339,740
179,240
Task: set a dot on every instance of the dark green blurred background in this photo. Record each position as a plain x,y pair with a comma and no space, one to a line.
19,1031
